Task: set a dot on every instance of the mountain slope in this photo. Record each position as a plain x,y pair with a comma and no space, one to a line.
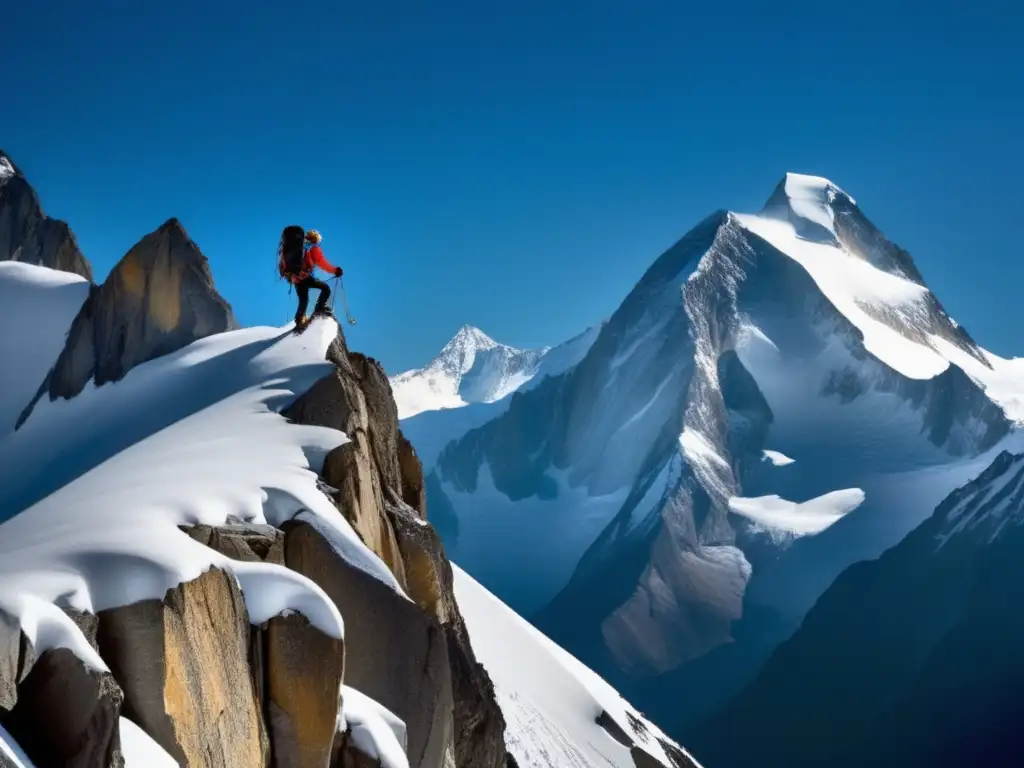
911,659
561,715
42,303
637,484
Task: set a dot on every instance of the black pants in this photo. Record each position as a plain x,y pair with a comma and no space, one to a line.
302,289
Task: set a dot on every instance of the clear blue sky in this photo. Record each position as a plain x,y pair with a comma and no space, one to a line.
516,165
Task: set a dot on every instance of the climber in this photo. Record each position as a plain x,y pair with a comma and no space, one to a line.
298,253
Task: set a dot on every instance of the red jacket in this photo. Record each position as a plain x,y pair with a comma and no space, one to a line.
314,257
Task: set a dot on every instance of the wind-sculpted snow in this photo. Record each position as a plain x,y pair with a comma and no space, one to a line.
776,458
98,486
375,730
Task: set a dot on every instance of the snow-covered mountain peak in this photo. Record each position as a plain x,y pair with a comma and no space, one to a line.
457,355
808,203
474,368
471,368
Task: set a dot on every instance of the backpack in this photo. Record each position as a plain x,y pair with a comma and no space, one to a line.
292,254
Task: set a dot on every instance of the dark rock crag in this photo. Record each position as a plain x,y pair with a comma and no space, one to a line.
27,234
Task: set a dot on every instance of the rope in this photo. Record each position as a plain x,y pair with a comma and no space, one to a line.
344,301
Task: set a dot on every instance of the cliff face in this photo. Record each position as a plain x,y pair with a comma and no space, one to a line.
157,299
27,234
418,662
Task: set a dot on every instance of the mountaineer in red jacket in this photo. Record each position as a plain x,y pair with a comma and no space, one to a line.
298,254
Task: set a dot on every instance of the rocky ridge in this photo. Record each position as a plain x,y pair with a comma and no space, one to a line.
189,669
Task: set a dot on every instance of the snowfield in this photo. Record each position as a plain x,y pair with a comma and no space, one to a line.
551,701
139,749
800,518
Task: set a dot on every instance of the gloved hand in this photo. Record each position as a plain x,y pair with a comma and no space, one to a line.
338,271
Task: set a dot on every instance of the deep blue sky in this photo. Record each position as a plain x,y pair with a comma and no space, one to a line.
516,165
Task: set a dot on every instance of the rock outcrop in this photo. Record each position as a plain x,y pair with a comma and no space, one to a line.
157,299
29,235
381,492
67,715
183,664
78,707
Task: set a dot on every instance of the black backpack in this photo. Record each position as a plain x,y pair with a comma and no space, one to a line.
292,255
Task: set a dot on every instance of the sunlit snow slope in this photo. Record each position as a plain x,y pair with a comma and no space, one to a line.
96,487
558,713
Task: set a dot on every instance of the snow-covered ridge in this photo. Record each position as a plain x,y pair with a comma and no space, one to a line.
474,368
902,323
105,499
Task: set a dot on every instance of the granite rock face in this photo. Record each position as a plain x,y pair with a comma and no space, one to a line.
381,492
159,298
183,663
29,235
